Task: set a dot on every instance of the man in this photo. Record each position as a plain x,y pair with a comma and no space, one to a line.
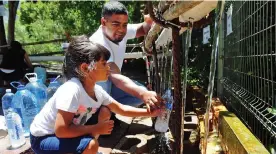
113,34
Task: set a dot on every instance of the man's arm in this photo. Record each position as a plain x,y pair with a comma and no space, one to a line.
142,30
150,98
144,27
127,85
114,68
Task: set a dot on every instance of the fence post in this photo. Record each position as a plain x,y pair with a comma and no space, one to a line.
179,127
220,57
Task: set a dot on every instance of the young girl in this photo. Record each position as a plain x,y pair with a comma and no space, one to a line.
59,127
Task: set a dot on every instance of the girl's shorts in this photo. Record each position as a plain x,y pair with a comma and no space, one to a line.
51,144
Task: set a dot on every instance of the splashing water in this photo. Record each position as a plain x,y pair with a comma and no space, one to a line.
162,145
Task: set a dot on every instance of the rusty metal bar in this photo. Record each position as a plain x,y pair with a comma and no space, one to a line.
179,127
185,66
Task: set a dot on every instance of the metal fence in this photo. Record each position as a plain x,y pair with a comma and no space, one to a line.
249,70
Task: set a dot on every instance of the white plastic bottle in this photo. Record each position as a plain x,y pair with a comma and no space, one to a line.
15,129
162,122
13,121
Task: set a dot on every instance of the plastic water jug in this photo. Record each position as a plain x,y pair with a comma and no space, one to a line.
162,122
25,103
41,73
52,88
13,121
37,88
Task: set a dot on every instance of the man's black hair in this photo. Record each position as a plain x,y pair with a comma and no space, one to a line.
110,8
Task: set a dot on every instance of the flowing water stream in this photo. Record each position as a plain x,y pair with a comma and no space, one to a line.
162,145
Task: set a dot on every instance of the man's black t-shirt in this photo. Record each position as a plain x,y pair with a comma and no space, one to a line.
13,60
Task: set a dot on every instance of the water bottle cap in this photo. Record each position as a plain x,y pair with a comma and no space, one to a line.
8,90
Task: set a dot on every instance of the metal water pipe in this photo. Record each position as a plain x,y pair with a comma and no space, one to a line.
178,127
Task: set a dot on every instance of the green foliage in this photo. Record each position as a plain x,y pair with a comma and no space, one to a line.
36,23
199,57
48,20
193,76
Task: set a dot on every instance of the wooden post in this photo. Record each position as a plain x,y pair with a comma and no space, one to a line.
12,14
179,127
3,40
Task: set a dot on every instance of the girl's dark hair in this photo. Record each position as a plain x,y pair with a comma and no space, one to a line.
82,50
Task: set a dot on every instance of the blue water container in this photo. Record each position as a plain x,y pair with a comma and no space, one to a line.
37,88
41,73
25,104
52,88
13,121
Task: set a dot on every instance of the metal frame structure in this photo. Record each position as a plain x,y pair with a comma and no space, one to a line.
249,71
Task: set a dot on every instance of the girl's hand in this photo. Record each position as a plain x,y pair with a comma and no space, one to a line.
105,127
155,112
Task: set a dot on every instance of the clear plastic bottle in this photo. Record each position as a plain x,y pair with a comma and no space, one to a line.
162,122
25,102
37,88
52,88
7,101
13,121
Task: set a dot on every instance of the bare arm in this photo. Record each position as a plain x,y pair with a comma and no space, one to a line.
114,68
150,98
124,82
144,27
129,111
127,85
28,61
64,128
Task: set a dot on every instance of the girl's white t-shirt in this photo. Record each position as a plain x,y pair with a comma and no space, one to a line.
70,97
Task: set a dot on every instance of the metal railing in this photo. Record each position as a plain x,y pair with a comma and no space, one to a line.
249,71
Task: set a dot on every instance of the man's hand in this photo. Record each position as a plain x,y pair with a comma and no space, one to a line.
152,100
155,112
148,19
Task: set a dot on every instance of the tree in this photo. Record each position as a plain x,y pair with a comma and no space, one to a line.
48,20
3,40
13,5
